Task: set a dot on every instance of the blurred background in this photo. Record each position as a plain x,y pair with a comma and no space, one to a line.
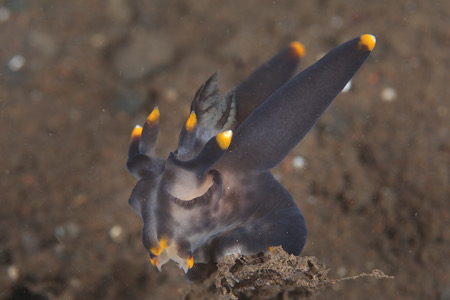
372,178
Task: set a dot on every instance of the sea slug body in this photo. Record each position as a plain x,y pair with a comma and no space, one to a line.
214,195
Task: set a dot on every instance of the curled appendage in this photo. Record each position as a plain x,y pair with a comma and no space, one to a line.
214,195
165,251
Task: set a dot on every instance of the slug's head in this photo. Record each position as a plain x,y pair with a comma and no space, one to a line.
173,196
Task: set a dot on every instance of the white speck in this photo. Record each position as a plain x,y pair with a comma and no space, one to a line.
116,233
298,162
388,94
4,14
16,63
13,272
347,87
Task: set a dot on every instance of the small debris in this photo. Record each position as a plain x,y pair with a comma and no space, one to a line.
271,275
13,272
274,273
298,162
16,63
116,233
377,274
388,94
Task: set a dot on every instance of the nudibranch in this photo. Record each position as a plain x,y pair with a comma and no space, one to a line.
214,195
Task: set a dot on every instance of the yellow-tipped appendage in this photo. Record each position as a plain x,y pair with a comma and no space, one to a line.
168,251
368,41
224,139
297,49
163,243
191,122
136,133
190,262
153,118
153,261
156,250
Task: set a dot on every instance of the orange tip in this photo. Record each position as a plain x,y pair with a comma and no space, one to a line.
163,243
153,118
190,262
368,41
224,139
136,133
191,122
153,261
156,250
297,49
